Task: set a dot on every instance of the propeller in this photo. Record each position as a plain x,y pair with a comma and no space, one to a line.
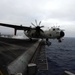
38,27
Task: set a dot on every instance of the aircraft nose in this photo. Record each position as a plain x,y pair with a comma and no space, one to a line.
62,34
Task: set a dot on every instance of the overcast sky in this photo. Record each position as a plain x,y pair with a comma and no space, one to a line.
50,12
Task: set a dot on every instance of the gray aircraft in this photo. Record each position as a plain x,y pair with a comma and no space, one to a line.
37,32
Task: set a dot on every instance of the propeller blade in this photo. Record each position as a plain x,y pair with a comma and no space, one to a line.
36,22
39,23
41,30
32,24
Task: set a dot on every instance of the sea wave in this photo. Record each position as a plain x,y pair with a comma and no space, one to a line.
61,56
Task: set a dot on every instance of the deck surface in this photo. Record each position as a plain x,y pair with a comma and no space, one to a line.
11,49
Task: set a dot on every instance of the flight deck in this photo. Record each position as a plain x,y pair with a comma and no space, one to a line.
17,54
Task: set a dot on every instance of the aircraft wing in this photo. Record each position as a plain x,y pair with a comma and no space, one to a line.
15,26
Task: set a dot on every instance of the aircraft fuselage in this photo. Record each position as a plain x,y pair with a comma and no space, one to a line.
52,33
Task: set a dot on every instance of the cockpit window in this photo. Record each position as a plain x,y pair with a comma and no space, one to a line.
53,29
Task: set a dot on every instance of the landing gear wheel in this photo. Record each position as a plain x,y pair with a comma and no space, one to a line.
46,39
48,43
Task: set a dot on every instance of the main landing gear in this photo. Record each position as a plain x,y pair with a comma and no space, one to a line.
59,41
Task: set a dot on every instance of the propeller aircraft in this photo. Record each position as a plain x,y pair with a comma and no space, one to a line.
37,32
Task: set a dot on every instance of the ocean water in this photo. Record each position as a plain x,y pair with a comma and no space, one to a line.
61,56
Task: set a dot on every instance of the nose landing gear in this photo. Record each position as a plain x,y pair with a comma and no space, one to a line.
48,43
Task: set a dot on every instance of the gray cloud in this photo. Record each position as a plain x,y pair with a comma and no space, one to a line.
49,11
